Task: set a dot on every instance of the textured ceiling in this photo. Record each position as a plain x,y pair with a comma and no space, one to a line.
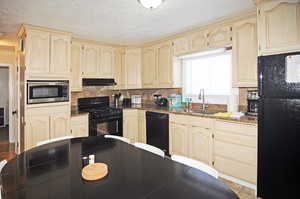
116,21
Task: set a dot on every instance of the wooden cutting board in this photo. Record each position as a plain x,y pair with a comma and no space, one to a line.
94,171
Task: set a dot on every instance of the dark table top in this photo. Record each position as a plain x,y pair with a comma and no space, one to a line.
53,171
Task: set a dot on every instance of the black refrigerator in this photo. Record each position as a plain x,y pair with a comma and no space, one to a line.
279,126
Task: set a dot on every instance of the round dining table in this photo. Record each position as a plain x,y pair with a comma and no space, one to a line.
54,171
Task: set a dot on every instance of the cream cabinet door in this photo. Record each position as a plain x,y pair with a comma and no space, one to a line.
180,46
149,68
36,130
220,36
245,53
76,63
164,65
60,125
142,137
279,26
90,60
37,52
107,62
80,126
200,144
178,139
198,41
131,127
60,55
119,69
133,67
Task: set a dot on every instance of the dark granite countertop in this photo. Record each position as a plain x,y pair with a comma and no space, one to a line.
184,111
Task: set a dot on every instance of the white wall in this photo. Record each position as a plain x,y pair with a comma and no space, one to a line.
4,91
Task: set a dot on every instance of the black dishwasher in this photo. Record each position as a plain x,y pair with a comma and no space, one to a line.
157,130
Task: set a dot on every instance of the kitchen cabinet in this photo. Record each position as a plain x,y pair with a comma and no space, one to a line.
181,46
142,137
47,53
200,144
164,65
60,55
133,67
198,41
44,123
219,36
131,125
60,125
235,150
149,68
37,52
37,129
76,64
119,68
107,62
279,26
90,61
80,125
178,143
245,53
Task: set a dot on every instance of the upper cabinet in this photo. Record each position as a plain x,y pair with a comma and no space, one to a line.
60,54
47,53
198,41
37,52
164,65
220,36
133,65
180,46
245,53
279,26
149,68
76,63
119,68
107,62
90,60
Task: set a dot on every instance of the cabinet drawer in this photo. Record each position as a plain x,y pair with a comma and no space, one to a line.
244,129
244,140
236,169
200,122
81,119
235,152
179,119
49,110
129,112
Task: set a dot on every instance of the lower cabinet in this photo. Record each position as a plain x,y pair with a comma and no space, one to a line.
80,125
235,150
142,137
44,123
130,125
191,137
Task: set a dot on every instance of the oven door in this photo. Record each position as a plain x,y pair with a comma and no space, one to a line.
47,91
109,126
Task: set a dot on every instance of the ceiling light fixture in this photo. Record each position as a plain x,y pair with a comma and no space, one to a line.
150,4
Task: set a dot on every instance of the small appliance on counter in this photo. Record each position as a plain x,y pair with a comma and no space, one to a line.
160,101
175,101
126,102
252,101
117,98
136,99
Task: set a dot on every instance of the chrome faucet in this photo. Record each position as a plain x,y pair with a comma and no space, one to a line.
201,96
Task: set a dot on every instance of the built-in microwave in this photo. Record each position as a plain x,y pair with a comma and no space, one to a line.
47,91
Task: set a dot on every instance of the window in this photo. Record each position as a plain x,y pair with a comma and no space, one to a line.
210,71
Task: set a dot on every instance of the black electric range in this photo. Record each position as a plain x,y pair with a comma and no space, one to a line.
103,120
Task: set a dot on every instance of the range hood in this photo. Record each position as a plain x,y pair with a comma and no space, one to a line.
98,82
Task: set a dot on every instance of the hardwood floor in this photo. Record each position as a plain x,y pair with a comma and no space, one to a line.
7,150
242,191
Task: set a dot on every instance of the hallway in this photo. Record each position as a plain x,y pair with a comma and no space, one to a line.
7,150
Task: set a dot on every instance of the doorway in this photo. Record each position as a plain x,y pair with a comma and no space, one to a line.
8,118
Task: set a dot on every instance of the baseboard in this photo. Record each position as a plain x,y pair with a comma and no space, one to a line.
238,181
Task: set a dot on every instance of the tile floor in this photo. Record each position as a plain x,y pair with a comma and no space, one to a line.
242,191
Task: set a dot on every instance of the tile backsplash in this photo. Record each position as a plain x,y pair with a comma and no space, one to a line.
147,95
